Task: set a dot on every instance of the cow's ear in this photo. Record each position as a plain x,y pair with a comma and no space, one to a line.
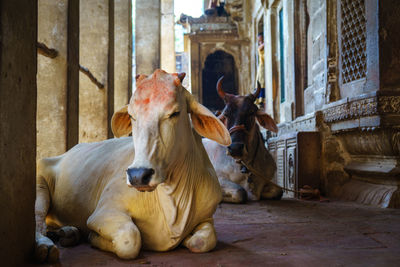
121,122
206,124
266,121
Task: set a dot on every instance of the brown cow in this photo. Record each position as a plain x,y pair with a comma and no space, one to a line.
244,169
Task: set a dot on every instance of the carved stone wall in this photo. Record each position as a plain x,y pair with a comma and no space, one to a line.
355,110
351,92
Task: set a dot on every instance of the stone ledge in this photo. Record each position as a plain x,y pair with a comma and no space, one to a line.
306,123
384,196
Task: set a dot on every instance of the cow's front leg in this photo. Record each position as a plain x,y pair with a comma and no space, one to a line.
45,249
115,232
202,239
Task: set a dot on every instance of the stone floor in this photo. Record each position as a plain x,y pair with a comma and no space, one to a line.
279,233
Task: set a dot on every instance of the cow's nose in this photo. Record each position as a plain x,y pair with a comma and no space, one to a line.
236,149
139,176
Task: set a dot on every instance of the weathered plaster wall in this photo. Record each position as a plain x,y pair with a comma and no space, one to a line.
147,34
122,68
93,54
52,79
167,36
18,31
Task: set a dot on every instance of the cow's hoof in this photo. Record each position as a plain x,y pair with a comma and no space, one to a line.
69,236
241,196
237,195
203,240
197,245
272,193
278,196
45,250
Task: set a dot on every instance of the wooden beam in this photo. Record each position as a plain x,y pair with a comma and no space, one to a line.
110,73
73,74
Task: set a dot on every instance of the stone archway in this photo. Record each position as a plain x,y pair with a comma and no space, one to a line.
216,65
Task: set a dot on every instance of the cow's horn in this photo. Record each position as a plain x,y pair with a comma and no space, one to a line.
220,91
257,92
181,76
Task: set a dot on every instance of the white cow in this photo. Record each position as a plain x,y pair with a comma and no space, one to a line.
245,168
154,190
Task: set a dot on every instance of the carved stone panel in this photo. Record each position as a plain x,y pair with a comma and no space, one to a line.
298,160
280,163
291,169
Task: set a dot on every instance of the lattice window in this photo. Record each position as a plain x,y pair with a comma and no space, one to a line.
353,44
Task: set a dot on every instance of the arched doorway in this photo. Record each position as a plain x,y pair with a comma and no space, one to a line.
218,64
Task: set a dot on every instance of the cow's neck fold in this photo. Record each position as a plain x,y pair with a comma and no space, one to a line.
176,195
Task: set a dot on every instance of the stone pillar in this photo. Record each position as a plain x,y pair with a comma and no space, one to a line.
93,55
122,68
52,78
167,36
18,28
206,3
147,36
194,74
389,43
317,50
269,97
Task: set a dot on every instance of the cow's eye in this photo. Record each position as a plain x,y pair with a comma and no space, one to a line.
175,114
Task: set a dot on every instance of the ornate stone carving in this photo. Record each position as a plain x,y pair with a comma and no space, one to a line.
350,110
363,107
389,104
235,9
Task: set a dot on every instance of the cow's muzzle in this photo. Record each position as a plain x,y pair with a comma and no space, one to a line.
140,178
236,150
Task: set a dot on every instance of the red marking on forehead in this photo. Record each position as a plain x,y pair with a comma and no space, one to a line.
157,89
